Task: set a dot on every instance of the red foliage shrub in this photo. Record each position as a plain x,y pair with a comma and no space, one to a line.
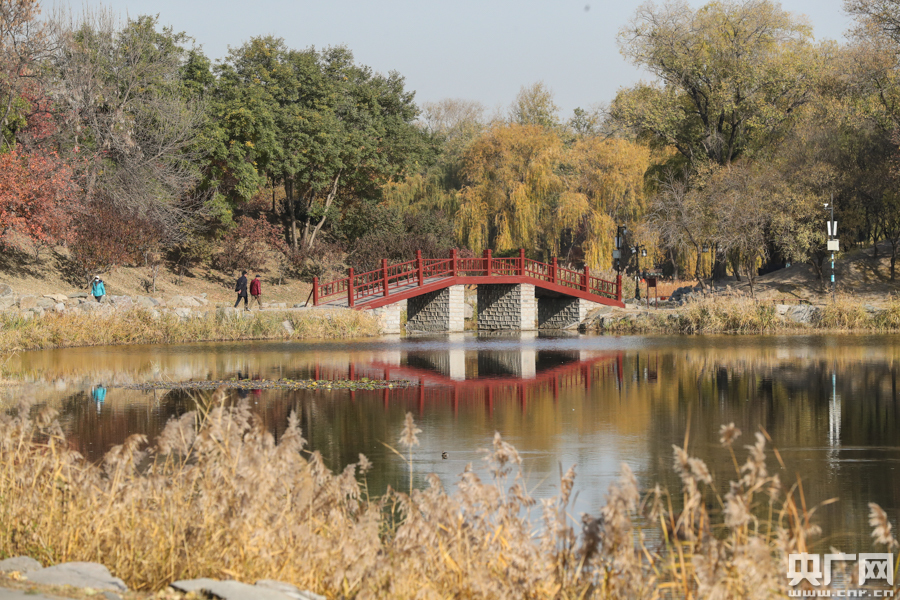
247,245
38,198
106,238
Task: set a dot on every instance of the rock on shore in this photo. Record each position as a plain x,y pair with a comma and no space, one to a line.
94,576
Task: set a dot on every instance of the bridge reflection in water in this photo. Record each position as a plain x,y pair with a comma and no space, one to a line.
483,377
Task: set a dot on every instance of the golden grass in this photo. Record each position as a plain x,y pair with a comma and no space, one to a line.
740,315
61,330
215,496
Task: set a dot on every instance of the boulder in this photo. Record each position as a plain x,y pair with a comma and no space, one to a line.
288,327
288,589
21,564
7,302
57,298
468,311
59,307
229,312
230,590
45,303
183,312
80,575
200,300
5,290
182,302
27,302
78,295
803,313
146,301
120,300
38,311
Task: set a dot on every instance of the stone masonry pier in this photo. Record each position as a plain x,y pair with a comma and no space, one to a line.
562,313
506,307
441,310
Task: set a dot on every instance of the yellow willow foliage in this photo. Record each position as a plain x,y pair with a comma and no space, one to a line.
511,187
524,188
609,174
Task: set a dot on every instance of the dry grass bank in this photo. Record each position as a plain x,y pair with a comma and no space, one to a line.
738,315
62,330
216,496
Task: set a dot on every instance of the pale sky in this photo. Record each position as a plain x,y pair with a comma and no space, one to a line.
483,50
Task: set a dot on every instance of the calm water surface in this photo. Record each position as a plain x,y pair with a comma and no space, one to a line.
829,403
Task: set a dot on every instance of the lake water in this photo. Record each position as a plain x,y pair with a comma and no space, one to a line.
829,403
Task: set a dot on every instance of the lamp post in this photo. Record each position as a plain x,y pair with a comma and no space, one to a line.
639,250
621,232
833,243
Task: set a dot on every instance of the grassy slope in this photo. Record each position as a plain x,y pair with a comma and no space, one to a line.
52,273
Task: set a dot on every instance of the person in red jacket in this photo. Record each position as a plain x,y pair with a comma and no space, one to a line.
256,292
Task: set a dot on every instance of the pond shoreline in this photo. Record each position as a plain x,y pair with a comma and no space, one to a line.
142,326
709,315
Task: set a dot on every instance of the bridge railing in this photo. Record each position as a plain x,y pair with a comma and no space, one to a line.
381,281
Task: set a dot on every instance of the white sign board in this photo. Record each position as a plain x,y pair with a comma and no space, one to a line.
834,245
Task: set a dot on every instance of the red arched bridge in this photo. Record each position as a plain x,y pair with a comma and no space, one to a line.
500,284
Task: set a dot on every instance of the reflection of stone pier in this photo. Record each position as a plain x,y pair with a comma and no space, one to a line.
517,363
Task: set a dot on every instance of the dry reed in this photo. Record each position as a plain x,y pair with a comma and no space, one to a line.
215,496
61,330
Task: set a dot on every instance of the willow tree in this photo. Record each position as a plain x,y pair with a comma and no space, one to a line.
526,188
604,188
511,189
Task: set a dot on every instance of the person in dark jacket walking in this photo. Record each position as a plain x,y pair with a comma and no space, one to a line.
256,292
241,288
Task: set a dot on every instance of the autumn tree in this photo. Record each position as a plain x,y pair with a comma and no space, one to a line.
512,190
126,119
38,198
26,45
728,76
525,188
534,105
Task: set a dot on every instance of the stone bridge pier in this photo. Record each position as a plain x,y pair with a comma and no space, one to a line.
441,310
506,307
562,312
501,307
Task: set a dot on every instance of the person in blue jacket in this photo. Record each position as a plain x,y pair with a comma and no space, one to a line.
97,288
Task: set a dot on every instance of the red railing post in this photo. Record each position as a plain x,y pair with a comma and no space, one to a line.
553,269
488,257
419,266
350,288
522,262
315,291
454,265
619,287
384,275
587,279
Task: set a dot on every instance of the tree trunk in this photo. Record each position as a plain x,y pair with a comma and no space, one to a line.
893,257
719,265
736,267
674,264
750,267
328,201
697,266
289,202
